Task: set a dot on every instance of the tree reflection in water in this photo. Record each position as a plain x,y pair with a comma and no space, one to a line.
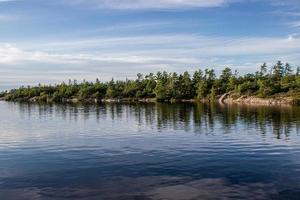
182,116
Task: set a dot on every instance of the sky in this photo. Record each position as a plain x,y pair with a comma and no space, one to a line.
50,41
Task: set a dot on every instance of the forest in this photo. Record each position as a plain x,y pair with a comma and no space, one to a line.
163,86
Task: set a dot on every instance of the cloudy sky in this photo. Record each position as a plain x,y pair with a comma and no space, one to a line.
50,41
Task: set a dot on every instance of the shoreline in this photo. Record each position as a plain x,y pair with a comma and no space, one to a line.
225,99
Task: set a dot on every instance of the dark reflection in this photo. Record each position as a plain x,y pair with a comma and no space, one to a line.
280,121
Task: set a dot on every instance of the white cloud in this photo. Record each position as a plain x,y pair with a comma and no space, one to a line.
172,49
7,1
10,54
152,4
284,3
295,24
7,18
110,56
181,43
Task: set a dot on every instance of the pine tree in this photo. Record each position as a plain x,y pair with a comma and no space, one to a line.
201,89
298,71
263,70
287,69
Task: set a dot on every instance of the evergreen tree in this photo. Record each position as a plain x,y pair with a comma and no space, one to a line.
263,70
288,69
278,70
298,71
202,89
186,87
169,86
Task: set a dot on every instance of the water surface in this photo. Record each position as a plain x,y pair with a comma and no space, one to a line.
149,151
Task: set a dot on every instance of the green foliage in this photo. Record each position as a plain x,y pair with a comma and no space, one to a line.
160,90
202,89
298,71
185,86
212,94
232,83
169,86
238,90
263,70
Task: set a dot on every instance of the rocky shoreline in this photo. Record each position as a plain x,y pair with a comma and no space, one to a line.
263,101
230,98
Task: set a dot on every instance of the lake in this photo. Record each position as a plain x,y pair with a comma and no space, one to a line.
149,151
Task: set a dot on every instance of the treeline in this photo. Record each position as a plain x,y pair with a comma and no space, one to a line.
268,81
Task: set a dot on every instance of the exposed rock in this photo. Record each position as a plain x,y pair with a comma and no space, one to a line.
111,100
229,98
33,99
224,96
147,100
74,100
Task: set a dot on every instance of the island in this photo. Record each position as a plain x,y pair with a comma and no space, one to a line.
279,84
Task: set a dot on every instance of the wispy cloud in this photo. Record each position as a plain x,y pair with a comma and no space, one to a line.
181,43
109,56
295,24
10,54
7,1
7,18
143,49
152,4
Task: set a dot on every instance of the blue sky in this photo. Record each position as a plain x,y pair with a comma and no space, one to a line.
49,41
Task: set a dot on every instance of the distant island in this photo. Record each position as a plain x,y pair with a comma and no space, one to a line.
279,84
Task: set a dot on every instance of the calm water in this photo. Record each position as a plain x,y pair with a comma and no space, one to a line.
148,151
